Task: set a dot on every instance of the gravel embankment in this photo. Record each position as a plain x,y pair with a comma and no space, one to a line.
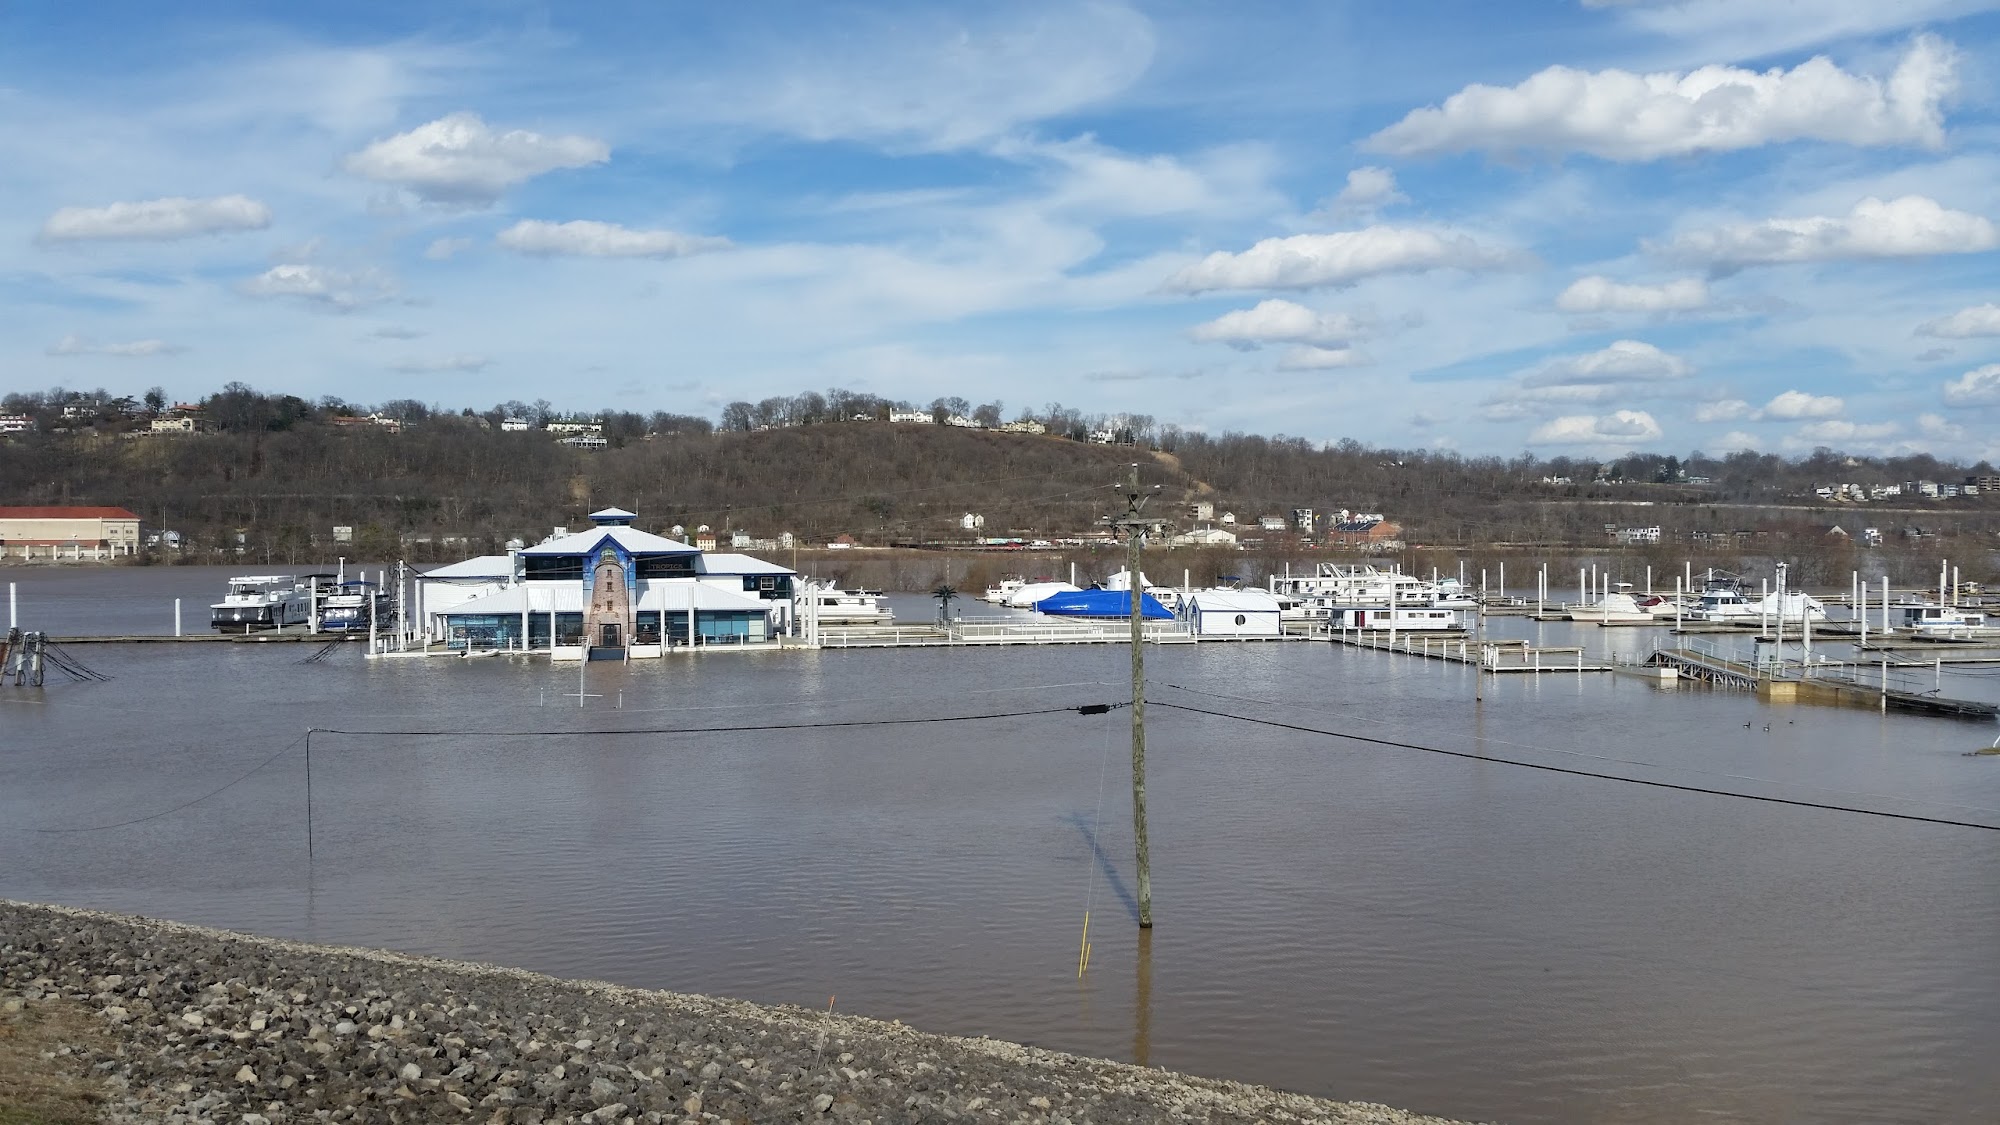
204,1025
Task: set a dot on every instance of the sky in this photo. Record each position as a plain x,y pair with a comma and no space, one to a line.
1578,227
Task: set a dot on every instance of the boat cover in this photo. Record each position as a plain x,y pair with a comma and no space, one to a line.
1102,603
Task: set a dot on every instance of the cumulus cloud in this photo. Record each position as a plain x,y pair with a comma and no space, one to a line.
1622,428
1367,189
1276,322
157,219
1722,410
587,239
1306,357
133,349
1977,387
445,363
1979,320
1304,261
1794,405
1939,427
1839,429
1624,361
321,285
459,159
1734,441
1911,226
1601,294
445,249
1619,115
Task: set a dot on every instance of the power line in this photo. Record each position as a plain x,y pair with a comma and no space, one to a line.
1082,709
1573,772
186,805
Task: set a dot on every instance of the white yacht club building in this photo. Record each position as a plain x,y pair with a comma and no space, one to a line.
611,590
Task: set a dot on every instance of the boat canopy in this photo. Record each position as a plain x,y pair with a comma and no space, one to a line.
1102,603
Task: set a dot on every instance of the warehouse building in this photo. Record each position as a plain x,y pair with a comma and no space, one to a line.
67,534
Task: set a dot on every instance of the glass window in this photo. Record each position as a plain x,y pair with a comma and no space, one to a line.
569,629
553,566
665,566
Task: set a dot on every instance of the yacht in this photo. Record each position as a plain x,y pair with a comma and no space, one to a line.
1728,606
1121,581
1928,621
830,605
1028,593
351,607
262,601
997,593
1619,607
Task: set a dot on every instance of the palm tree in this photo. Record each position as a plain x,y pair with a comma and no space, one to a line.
945,595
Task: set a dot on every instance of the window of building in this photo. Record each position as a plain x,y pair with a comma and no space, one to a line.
666,566
550,567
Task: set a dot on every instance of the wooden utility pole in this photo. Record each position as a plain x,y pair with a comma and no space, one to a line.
1135,531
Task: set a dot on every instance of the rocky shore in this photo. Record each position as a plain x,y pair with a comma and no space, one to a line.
175,1023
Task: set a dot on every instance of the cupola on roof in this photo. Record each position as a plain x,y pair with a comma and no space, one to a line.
613,517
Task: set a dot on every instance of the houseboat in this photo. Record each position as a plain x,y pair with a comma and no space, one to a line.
1401,619
999,591
352,607
262,601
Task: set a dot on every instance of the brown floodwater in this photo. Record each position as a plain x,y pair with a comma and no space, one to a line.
1462,937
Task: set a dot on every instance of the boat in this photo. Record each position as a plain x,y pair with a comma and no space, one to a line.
998,592
352,607
1102,603
1358,584
1930,621
1726,605
1619,607
262,601
1121,580
830,605
1026,595
1453,594
1400,619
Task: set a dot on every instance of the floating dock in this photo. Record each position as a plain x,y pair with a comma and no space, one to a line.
1458,648
1831,682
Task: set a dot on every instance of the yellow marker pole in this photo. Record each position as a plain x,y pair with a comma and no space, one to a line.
1083,950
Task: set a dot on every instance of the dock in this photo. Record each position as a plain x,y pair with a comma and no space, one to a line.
213,638
1878,685
1458,648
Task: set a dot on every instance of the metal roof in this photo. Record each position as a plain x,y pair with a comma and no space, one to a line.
631,538
484,566
728,562
63,513
1233,601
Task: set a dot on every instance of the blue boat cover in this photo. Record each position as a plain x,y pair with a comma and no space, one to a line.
1102,603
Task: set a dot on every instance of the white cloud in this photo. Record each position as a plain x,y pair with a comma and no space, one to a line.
447,363
1979,320
1622,362
1977,387
1620,428
1276,321
1722,410
1734,441
321,285
1746,29
1620,115
157,219
1839,429
1367,190
930,78
1304,261
445,249
1793,405
459,159
588,239
134,349
1939,427
1911,226
1601,294
397,332
1307,357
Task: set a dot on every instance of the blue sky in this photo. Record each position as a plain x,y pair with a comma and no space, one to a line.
1572,226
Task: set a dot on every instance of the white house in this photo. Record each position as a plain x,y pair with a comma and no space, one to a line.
922,417
1204,537
614,590
1233,613
971,521
514,425
1271,523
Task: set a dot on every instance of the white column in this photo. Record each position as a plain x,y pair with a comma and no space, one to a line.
13,609
1885,606
177,617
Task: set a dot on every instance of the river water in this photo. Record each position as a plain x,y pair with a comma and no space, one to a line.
1453,935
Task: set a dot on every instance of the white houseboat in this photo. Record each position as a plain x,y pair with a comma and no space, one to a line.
830,605
262,601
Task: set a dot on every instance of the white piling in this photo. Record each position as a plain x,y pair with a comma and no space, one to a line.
1886,627
177,617
1503,580
13,613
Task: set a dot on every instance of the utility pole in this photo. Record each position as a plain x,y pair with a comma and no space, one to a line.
1135,532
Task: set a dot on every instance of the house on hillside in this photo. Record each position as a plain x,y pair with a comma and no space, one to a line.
971,521
1202,510
1204,537
842,542
918,417
1271,523
1024,426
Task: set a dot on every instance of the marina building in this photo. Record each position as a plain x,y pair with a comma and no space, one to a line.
611,590
58,533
